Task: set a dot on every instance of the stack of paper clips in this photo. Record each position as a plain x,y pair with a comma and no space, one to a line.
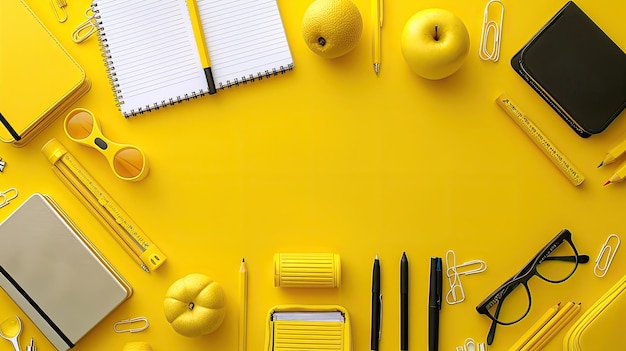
456,294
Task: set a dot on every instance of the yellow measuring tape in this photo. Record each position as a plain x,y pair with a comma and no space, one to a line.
125,231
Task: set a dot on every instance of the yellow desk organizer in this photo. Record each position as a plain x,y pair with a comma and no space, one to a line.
308,328
601,327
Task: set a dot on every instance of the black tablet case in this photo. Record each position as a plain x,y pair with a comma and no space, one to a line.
577,69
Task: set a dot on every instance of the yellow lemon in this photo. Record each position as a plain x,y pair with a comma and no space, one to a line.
331,28
137,346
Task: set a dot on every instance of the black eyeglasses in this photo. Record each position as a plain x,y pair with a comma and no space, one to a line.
555,263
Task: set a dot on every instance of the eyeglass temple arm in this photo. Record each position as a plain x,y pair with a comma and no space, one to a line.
492,329
581,258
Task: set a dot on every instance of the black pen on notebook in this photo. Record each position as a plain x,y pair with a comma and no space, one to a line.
198,33
376,305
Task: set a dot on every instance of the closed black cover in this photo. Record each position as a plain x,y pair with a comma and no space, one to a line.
577,69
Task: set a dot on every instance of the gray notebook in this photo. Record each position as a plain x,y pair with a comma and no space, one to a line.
54,274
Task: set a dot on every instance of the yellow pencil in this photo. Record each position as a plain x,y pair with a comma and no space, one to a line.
198,33
557,157
613,154
549,334
534,329
551,323
243,308
618,176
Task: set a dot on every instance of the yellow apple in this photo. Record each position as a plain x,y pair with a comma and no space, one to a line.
434,43
195,305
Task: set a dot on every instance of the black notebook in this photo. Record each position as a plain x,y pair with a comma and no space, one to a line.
577,69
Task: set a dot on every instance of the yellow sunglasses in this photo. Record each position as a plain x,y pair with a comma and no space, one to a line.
127,161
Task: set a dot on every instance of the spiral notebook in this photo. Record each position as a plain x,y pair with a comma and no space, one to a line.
152,58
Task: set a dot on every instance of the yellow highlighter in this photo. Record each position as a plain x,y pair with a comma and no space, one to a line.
201,44
555,155
124,230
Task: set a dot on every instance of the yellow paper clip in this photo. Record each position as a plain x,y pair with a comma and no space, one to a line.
607,252
128,322
85,29
491,28
5,199
59,10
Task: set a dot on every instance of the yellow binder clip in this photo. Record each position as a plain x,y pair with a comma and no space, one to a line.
59,10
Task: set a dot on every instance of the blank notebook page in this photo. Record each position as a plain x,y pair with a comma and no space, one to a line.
152,54
245,38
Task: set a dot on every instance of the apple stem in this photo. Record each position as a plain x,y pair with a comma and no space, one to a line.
321,41
437,33
191,306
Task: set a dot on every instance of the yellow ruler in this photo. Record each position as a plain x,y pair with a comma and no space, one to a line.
110,212
548,148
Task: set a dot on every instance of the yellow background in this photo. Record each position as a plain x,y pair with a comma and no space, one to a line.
331,158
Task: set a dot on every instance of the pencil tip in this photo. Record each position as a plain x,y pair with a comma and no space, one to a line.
601,163
607,182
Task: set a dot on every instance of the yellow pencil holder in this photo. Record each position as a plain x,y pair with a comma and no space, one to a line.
307,270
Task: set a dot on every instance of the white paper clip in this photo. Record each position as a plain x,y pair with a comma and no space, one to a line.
126,322
6,196
470,345
489,50
608,251
456,294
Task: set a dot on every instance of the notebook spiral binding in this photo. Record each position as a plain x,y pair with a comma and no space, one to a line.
119,98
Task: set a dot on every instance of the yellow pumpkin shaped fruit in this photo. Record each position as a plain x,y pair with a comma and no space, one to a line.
195,305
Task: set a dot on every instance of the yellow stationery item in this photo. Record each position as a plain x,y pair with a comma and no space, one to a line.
550,334
377,14
39,78
601,327
618,176
613,154
128,162
54,273
243,308
548,148
555,321
308,327
307,270
535,328
103,207
156,60
205,59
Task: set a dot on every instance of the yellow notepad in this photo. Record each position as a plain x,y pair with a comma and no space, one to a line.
39,78
308,328
54,273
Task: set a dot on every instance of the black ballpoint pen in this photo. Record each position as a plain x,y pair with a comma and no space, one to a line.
434,303
404,303
376,305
